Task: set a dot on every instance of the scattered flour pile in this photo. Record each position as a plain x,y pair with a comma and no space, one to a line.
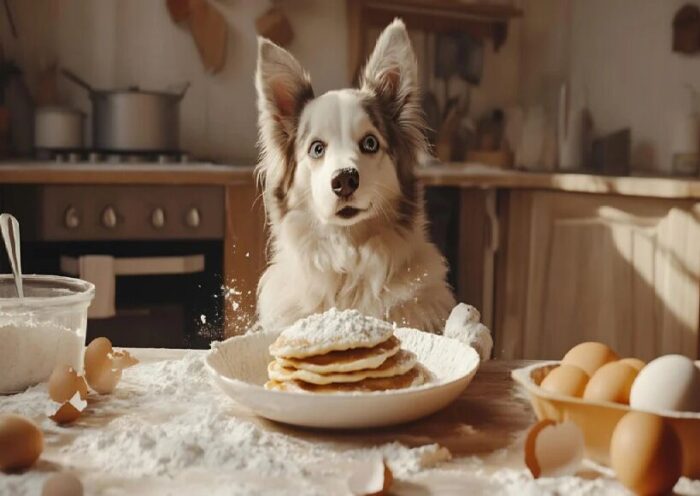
170,427
29,351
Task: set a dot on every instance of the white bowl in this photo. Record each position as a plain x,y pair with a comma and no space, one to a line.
239,367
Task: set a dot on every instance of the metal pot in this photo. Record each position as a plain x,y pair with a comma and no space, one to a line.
133,120
58,128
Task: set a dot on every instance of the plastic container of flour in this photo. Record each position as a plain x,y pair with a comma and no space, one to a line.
44,329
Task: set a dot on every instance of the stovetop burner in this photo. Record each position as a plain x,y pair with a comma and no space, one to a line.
94,156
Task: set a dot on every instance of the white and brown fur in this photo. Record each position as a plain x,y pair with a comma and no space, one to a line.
379,260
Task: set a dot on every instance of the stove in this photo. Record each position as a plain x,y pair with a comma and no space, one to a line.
154,252
93,156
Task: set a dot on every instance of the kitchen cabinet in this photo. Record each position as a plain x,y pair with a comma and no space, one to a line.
552,260
579,267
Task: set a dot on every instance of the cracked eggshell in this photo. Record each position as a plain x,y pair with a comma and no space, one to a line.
70,410
96,355
21,442
370,477
104,365
122,359
554,450
105,380
64,382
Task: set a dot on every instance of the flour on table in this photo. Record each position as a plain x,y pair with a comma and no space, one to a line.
171,425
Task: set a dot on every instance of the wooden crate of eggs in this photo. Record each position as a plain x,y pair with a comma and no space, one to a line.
641,419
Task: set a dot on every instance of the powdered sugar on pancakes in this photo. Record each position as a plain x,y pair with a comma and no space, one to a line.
333,330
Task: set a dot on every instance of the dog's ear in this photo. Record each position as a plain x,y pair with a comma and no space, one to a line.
283,89
391,72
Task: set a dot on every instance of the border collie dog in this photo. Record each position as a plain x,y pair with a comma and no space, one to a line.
346,219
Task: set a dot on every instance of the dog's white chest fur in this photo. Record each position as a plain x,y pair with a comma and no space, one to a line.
384,274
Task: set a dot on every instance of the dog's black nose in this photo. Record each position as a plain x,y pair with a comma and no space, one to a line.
345,182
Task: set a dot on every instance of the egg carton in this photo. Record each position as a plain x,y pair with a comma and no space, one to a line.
597,419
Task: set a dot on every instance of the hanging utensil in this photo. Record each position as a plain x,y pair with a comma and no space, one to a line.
209,31
10,235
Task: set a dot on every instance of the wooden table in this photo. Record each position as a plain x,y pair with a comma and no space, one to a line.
483,429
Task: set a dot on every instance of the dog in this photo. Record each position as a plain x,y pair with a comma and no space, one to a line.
346,218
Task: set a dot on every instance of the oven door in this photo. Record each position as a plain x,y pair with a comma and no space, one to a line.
143,301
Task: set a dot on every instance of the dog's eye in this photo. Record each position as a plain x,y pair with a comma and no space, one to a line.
317,149
369,144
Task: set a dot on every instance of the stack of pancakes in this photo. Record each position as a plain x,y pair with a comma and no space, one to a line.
341,351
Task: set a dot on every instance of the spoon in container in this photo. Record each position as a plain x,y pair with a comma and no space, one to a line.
10,235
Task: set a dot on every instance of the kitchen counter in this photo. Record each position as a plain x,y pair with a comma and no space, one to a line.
476,176
135,173
457,175
483,430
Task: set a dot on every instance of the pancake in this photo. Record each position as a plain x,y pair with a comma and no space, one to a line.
414,377
396,365
334,330
346,360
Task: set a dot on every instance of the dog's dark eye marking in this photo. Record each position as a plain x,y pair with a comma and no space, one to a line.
369,144
317,149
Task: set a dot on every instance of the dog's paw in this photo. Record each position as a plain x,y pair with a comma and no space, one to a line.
464,324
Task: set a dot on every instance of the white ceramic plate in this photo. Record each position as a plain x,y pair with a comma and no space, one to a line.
239,367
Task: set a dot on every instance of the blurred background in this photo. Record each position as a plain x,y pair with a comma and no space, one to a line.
564,187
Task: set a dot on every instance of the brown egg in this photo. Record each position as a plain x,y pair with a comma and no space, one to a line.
21,442
567,380
64,382
611,382
62,484
589,356
635,363
645,453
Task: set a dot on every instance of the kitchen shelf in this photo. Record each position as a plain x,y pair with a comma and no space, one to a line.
480,20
